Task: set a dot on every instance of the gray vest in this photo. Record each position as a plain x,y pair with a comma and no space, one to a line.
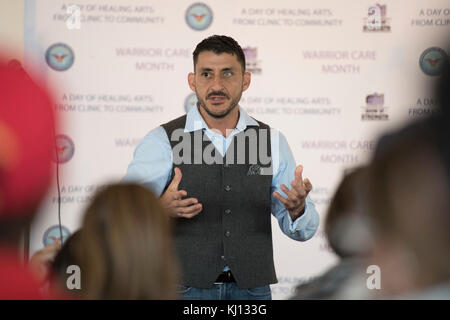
234,227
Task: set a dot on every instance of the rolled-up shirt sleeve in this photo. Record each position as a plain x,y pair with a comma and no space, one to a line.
152,162
305,226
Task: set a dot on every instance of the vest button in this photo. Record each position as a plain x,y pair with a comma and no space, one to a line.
223,258
227,188
227,234
227,211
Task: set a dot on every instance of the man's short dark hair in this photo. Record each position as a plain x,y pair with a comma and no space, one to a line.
218,45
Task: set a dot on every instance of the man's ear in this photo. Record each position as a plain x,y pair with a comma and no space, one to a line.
191,81
247,80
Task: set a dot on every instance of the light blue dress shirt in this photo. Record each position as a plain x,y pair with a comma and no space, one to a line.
152,167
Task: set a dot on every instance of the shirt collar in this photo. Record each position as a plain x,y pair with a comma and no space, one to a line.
195,121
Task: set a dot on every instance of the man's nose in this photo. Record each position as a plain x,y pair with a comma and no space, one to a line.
217,84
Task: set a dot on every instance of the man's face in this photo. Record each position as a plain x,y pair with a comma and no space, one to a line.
218,82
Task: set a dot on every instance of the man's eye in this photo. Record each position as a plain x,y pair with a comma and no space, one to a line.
206,74
228,74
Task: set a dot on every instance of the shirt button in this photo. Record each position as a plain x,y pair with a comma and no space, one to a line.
227,188
227,234
227,211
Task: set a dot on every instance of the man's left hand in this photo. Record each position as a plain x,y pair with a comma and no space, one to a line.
295,202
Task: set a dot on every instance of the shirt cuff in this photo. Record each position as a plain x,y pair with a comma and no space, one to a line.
301,222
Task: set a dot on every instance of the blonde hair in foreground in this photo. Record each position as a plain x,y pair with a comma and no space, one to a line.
126,246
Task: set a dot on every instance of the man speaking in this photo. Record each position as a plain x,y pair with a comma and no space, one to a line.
220,174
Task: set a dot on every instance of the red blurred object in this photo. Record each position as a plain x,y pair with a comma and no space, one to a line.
27,127
16,281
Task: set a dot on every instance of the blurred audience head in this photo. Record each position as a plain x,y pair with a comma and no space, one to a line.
409,200
441,120
124,248
410,210
345,223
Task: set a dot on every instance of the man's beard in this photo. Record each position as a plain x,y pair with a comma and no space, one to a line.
223,114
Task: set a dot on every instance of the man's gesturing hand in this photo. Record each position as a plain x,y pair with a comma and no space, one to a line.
172,201
295,202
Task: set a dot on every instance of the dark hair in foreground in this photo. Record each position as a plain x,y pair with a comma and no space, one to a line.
409,198
124,248
219,45
346,214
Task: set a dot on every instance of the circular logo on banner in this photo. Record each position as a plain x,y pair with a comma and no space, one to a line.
53,233
432,61
199,16
65,149
190,101
59,57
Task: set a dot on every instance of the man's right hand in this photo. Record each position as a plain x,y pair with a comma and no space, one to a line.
172,201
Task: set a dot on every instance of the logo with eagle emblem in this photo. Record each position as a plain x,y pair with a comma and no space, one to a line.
54,234
199,16
59,57
432,61
65,149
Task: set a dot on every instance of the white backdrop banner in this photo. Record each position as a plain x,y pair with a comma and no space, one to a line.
331,75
